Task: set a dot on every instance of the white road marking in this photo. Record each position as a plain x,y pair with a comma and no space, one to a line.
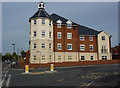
8,81
4,76
89,84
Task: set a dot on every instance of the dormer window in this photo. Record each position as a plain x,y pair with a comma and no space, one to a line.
43,21
59,23
69,24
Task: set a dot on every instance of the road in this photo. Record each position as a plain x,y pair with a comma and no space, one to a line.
76,77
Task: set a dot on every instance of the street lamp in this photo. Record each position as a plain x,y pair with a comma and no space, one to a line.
13,47
39,58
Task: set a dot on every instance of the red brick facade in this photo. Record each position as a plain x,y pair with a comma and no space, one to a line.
64,41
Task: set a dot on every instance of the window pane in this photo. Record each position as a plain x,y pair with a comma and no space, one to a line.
43,21
59,35
82,38
69,35
34,21
69,46
103,37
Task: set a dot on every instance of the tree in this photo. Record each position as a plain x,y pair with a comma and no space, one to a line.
7,56
14,55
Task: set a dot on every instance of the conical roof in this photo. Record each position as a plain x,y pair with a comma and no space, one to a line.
41,13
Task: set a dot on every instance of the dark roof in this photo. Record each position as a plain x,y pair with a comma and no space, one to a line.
57,17
87,31
41,13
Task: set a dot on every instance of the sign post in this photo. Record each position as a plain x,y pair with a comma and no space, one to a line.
26,68
51,67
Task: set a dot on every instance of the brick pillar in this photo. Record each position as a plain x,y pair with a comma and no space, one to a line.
27,56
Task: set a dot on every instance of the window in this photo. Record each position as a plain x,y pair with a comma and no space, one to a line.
43,21
69,25
104,50
82,38
50,58
43,57
104,57
35,33
103,37
91,47
69,57
43,45
91,38
82,47
50,34
34,21
59,35
59,46
82,58
50,46
59,57
74,27
50,22
43,34
91,58
69,46
34,46
34,58
69,35
58,25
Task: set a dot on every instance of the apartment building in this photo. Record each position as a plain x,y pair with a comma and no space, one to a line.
54,38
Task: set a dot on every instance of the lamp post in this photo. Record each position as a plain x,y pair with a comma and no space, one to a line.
39,58
13,47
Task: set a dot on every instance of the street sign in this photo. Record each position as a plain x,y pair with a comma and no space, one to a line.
51,67
26,69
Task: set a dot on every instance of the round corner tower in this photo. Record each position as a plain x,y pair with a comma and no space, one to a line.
41,36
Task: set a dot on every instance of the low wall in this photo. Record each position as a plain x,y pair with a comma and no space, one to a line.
72,63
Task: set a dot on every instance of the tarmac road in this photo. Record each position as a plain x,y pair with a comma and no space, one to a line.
76,77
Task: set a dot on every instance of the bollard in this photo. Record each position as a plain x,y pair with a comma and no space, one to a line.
26,68
51,67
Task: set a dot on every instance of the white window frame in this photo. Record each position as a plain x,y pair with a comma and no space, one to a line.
90,47
50,34
59,35
34,45
34,56
58,46
69,35
91,58
42,57
82,38
43,33
81,58
69,57
82,49
50,46
69,45
43,21
102,37
104,57
91,38
58,25
34,33
43,45
59,56
69,25
34,21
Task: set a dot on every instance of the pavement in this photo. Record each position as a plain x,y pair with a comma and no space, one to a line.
105,76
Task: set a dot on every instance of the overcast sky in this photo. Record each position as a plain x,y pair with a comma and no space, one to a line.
16,27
